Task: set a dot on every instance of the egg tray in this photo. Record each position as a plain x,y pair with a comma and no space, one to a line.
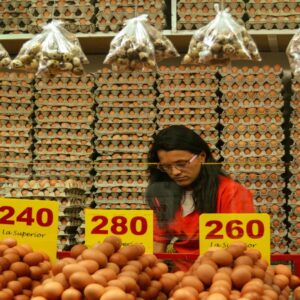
250,132
248,163
212,87
260,77
185,111
257,185
268,6
16,125
14,24
66,92
119,79
248,103
15,157
184,81
252,167
184,105
131,3
16,117
255,87
127,106
16,90
78,134
107,128
131,147
85,100
253,145
135,88
187,101
16,141
253,153
295,118
58,141
125,111
63,149
276,23
294,166
21,172
262,95
255,70
84,82
211,118
275,119
120,99
14,7
127,120
119,198
102,178
62,174
65,117
119,166
59,157
7,132
62,125
262,175
16,108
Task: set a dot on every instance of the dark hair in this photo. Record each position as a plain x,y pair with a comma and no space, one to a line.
179,137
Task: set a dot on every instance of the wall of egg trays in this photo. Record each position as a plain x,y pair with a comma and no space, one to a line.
84,141
84,16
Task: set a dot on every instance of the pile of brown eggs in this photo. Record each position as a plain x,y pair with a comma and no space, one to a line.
21,269
110,271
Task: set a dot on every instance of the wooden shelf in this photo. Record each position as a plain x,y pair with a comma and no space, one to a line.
98,42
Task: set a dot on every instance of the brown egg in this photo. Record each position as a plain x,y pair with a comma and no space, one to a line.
53,290
9,275
108,274
4,263
61,278
253,253
113,294
10,242
22,297
93,291
20,268
115,241
5,295
294,281
237,249
203,295
12,257
143,280
71,294
243,260
283,269
184,294
79,280
77,250
119,259
296,294
100,279
70,269
91,265
3,247
26,282
113,266
222,257
38,291
107,248
33,258
93,254
241,275
193,281
205,273
281,280
15,286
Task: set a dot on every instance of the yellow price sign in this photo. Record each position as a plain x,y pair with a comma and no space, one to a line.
131,226
221,230
32,222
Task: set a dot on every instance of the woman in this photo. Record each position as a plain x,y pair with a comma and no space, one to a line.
185,181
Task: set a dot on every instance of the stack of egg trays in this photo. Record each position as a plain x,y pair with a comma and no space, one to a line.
279,14
188,97
294,167
124,128
252,137
78,15
14,16
193,14
63,131
111,16
16,110
70,194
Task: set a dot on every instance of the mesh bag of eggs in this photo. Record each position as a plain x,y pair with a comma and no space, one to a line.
293,53
53,51
221,41
138,46
4,57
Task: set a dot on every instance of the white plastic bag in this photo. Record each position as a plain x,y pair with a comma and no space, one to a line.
293,53
54,50
132,49
220,41
4,57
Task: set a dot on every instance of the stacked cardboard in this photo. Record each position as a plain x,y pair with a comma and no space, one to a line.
78,15
111,15
193,14
16,107
63,148
253,136
188,97
124,128
14,16
279,14
294,181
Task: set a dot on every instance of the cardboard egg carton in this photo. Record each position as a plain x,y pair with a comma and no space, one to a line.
252,131
110,176
130,3
16,125
138,119
252,87
63,141
208,118
14,133
16,99
14,6
253,70
293,247
273,22
66,92
78,100
272,8
19,172
18,78
63,133
122,206
72,116
106,76
260,77
248,103
112,19
164,86
204,97
120,185
84,82
249,95
172,103
16,108
66,173
185,110
130,103
119,197
252,144
14,22
134,164
173,70
244,166
126,111
61,157
14,157
106,128
261,175
123,147
63,149
15,142
14,91
183,81
257,152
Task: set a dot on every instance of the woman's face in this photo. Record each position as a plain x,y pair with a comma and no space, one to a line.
182,166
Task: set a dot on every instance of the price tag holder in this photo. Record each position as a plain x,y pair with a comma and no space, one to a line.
32,222
221,230
131,226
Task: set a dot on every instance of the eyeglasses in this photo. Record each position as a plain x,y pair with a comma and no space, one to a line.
180,166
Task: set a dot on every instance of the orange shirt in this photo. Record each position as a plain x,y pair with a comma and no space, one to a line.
231,198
